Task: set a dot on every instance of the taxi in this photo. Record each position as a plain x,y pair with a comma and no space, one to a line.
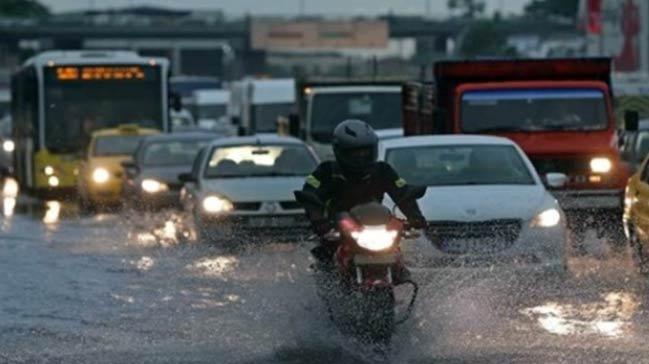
100,175
636,215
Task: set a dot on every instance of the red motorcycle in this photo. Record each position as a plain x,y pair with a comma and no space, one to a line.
358,289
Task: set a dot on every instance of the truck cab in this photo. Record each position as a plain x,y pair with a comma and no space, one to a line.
256,104
325,104
559,111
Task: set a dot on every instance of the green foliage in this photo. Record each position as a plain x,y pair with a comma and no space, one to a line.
468,8
548,8
23,9
484,39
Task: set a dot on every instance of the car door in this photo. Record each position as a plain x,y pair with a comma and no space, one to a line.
639,189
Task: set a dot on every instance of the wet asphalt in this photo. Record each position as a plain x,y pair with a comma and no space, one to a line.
123,288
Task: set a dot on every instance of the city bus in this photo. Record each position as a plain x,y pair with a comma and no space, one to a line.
60,97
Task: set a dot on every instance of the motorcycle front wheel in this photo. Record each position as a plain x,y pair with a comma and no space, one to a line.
378,315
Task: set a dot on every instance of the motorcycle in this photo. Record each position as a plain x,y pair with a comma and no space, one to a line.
358,288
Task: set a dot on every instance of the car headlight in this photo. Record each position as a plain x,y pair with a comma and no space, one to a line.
601,165
53,181
548,218
153,186
375,238
48,170
8,146
100,175
215,205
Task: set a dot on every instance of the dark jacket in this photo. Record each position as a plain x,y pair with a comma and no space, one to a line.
341,194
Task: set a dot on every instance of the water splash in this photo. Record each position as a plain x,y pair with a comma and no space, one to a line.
216,267
610,318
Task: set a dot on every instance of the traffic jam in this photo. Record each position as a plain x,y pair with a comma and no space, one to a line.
496,213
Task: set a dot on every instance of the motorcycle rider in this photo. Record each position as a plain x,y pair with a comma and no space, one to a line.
354,178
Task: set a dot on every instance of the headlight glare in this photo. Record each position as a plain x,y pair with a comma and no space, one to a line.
548,218
153,186
601,165
100,175
215,205
374,238
8,146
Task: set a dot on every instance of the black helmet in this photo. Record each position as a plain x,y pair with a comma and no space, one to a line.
355,146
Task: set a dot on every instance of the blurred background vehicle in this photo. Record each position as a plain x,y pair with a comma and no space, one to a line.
100,173
485,204
59,98
245,185
151,178
256,104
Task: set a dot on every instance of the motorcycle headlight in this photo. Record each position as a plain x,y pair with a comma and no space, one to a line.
100,175
548,218
375,238
601,165
8,146
153,186
216,204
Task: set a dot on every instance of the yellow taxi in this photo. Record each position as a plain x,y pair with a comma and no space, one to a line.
100,174
636,215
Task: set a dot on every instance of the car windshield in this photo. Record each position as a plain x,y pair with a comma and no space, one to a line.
116,145
451,165
259,161
265,116
171,153
382,110
533,110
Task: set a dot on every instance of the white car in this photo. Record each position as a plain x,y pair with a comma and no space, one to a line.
245,185
484,203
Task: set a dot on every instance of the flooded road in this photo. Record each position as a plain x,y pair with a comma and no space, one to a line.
123,288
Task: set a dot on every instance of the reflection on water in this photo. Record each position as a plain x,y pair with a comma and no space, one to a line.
52,213
8,206
214,267
10,188
610,317
144,263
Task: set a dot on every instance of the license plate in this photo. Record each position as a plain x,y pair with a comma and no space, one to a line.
262,222
375,259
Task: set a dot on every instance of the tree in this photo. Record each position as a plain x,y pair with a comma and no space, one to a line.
553,8
468,8
23,9
484,38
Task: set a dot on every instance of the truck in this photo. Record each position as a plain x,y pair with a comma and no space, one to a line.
257,104
560,111
323,104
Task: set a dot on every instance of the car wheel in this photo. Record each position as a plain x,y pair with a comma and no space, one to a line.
637,252
86,207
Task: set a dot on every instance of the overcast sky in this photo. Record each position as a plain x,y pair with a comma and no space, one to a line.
290,7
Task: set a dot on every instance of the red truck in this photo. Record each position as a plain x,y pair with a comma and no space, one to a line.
559,111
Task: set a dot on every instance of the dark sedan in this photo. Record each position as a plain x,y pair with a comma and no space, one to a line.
151,179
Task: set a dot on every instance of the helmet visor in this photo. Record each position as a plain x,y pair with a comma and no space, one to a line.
360,157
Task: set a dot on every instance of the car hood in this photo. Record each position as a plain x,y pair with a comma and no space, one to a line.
255,188
167,174
480,203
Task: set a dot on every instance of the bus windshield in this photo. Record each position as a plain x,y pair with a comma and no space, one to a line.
533,110
75,108
382,110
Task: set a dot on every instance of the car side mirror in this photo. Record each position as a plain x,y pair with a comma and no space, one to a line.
186,177
129,167
556,180
631,120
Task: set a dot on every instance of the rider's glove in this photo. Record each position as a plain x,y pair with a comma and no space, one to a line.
418,223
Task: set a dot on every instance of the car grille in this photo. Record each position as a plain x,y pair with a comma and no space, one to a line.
290,205
247,206
474,237
567,166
